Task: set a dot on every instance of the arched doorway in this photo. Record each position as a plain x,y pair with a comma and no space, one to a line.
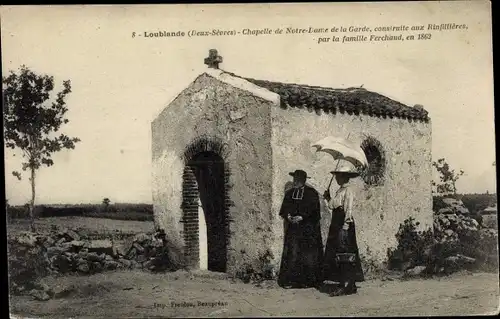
205,207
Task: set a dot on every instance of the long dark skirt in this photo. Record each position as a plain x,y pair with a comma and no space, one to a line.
302,255
331,269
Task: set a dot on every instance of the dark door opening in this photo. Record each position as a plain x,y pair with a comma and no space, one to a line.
208,168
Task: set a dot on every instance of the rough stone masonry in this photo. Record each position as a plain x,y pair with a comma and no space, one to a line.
261,130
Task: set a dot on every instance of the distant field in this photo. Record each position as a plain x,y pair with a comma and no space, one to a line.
474,202
120,211
93,227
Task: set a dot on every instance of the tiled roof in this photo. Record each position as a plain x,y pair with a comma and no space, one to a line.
352,100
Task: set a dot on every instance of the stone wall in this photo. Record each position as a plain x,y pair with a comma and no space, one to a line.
32,256
379,210
238,119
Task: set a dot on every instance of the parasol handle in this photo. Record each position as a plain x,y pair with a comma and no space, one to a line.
338,162
331,180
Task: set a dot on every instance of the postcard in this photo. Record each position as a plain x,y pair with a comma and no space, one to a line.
235,160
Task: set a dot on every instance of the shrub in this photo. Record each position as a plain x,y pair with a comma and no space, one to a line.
247,274
413,246
264,270
27,262
437,203
371,267
456,243
481,245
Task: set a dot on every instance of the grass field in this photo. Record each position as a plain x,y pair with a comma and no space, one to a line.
91,226
120,211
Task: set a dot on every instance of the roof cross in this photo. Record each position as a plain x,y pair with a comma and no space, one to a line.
213,59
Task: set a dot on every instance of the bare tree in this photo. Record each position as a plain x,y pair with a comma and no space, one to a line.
448,178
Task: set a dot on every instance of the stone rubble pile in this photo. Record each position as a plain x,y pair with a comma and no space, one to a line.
32,256
456,234
453,220
488,233
66,251
448,227
44,292
453,206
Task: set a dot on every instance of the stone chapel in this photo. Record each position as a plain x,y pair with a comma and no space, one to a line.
223,148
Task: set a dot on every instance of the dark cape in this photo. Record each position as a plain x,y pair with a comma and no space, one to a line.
303,247
331,269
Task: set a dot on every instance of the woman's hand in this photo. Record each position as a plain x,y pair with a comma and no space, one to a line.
344,238
327,196
294,219
345,226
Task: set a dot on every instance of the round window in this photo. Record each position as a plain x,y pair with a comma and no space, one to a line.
374,173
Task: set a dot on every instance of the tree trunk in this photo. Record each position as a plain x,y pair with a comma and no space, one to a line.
32,202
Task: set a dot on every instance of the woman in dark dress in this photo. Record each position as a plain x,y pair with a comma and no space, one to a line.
341,261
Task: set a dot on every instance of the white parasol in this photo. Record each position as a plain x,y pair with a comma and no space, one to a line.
342,149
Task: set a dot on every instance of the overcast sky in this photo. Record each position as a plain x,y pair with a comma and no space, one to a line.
121,83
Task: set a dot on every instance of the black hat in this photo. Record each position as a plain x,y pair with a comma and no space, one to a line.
299,173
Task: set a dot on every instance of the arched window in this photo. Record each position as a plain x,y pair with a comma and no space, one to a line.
374,174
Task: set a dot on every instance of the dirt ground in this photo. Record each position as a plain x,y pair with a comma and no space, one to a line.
182,294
